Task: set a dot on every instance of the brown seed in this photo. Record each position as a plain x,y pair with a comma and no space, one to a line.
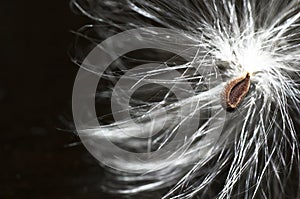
235,91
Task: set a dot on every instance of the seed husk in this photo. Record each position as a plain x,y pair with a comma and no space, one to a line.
235,91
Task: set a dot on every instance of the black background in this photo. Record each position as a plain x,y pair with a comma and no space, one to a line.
36,82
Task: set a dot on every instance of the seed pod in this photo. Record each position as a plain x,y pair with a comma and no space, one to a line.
235,91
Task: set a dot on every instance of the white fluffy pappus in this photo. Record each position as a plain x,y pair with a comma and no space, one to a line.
252,152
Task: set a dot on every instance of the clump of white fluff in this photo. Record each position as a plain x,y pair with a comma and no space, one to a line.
254,151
